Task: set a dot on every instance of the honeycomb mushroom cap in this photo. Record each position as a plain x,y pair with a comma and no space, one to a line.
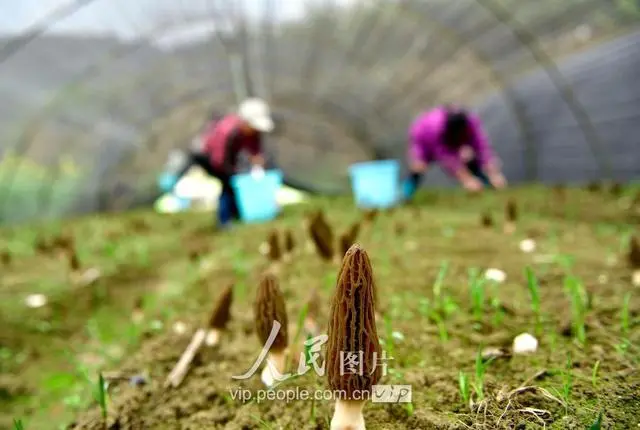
352,326
222,311
270,307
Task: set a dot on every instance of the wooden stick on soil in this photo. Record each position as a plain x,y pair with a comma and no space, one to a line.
178,373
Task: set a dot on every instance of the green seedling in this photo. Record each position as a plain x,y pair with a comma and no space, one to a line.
597,425
388,328
263,424
578,307
624,344
476,283
594,374
101,397
301,317
564,393
442,328
464,387
478,384
409,409
534,293
312,413
438,284
17,424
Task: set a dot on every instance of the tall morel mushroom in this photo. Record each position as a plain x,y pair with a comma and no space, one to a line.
220,316
352,333
322,236
275,253
634,260
269,308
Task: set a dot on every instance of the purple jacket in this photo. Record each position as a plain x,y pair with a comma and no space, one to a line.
425,137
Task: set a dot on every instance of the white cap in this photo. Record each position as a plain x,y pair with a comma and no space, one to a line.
257,113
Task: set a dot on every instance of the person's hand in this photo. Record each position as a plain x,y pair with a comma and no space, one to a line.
257,172
498,180
472,184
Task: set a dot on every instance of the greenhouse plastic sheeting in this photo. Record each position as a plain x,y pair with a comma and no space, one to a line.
96,93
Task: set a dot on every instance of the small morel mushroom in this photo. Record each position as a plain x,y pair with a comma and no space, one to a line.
352,332
220,316
322,236
137,315
313,311
399,228
6,258
270,308
487,220
74,262
345,242
63,242
634,260
289,242
511,216
370,216
275,253
616,189
594,187
42,246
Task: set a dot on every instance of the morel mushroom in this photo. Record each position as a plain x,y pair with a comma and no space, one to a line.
6,258
137,315
220,316
617,189
349,237
322,236
511,216
74,262
634,260
270,308
313,311
487,220
370,215
275,253
594,187
352,333
289,242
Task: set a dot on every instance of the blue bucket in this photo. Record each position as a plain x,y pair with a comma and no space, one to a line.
375,183
256,198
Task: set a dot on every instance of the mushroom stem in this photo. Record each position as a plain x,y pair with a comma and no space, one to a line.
180,371
213,337
347,415
635,278
276,360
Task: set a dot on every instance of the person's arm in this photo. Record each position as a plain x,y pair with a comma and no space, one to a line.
484,153
256,155
232,147
452,164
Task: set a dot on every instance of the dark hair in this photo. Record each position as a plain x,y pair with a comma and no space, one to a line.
457,125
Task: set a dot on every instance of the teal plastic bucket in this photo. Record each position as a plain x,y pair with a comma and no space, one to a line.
375,184
256,198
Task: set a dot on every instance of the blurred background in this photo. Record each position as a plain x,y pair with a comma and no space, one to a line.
95,94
